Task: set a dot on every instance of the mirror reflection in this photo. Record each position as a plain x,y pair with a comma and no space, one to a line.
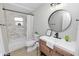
59,20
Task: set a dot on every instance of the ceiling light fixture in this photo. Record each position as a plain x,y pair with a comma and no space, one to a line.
54,4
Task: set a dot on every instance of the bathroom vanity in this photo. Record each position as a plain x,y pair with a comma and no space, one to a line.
56,47
59,21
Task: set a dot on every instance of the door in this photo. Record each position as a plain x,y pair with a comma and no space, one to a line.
16,28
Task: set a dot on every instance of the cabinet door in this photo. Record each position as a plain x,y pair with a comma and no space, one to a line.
42,42
44,48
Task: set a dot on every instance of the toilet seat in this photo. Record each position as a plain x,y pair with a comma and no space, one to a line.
31,45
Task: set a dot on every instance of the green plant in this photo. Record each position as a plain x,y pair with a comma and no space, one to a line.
67,37
37,33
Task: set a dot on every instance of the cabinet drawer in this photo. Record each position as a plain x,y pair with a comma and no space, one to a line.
53,53
56,54
62,52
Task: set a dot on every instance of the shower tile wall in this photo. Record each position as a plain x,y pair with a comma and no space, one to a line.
16,34
14,31
14,37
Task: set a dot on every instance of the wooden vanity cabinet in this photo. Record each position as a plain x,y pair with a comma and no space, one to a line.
46,50
52,52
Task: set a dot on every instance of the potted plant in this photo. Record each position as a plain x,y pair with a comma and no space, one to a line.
67,38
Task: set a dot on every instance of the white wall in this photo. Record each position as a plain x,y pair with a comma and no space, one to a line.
42,14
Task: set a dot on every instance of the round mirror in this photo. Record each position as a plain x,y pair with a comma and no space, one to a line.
59,20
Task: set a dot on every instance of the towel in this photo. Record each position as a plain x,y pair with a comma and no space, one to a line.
50,45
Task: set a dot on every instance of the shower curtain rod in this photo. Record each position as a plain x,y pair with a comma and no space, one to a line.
17,11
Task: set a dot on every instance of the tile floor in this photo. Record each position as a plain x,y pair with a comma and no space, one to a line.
23,52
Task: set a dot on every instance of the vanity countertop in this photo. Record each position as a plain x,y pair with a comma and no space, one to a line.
60,43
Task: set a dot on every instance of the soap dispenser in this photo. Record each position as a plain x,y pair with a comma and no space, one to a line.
56,35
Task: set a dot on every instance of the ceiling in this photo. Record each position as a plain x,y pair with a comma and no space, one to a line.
31,6
24,7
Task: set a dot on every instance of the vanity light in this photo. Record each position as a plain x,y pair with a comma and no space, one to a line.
53,5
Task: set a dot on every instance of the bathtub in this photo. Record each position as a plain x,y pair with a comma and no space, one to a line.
17,43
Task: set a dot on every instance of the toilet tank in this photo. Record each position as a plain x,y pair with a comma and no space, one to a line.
31,41
35,37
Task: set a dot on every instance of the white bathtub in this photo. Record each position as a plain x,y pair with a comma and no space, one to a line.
15,44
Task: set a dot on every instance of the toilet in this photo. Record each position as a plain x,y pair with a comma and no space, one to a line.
32,44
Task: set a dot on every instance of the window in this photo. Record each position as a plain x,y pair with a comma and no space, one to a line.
18,21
